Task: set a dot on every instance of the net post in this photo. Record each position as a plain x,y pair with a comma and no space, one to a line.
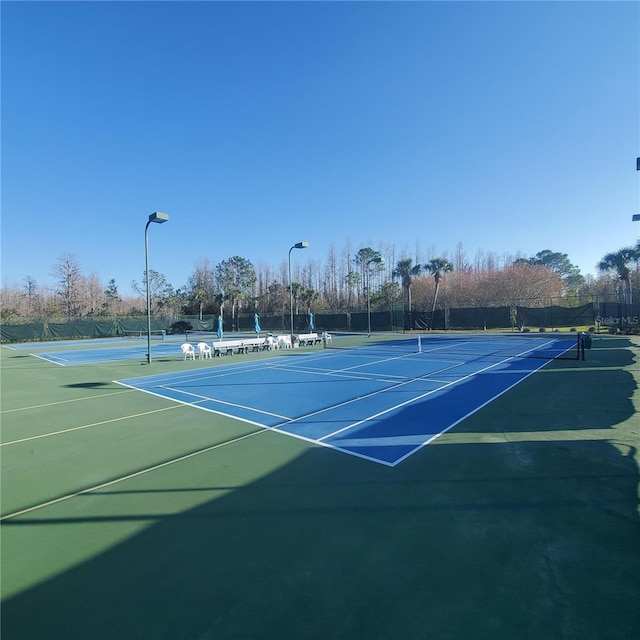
580,354
419,344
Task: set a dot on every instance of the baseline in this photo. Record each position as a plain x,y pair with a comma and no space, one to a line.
129,476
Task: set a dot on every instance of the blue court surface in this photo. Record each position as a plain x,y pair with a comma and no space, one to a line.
109,350
381,405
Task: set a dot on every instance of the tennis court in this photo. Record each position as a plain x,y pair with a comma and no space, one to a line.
96,351
381,489
381,400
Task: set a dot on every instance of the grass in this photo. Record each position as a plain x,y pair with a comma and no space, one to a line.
521,522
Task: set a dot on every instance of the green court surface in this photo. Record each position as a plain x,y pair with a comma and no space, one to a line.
127,515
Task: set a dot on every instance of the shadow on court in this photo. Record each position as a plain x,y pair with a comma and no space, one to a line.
596,394
90,385
509,527
456,546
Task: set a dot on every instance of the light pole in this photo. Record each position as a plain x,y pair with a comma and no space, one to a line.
297,245
636,216
378,260
157,217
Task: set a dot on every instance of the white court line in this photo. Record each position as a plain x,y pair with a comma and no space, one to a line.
420,397
286,419
236,368
48,359
129,476
177,377
88,426
500,347
470,413
283,362
368,395
344,373
51,404
222,402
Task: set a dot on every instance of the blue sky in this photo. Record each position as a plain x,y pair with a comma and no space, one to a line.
504,126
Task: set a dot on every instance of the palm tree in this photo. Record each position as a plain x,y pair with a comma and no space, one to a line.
619,262
201,297
308,295
218,301
296,291
406,272
437,266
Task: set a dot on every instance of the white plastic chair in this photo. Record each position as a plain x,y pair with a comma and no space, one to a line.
204,350
188,351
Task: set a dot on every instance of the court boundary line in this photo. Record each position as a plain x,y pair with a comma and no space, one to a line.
412,400
470,413
86,426
47,359
198,405
126,352
51,404
394,385
436,435
279,428
283,363
222,402
129,476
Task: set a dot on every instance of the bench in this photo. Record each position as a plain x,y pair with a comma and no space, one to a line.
242,346
309,339
257,344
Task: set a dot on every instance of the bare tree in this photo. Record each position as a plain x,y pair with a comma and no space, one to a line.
160,291
202,287
68,275
32,296
95,297
330,284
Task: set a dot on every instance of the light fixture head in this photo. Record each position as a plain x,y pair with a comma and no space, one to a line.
159,217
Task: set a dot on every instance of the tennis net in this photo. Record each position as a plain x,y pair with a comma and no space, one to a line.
139,335
193,335
393,343
548,346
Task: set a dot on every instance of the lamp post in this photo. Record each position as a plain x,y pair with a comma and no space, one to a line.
297,245
157,217
378,260
636,216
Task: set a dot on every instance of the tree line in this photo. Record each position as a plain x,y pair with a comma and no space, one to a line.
352,279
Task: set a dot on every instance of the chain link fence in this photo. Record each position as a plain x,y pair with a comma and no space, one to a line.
610,315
